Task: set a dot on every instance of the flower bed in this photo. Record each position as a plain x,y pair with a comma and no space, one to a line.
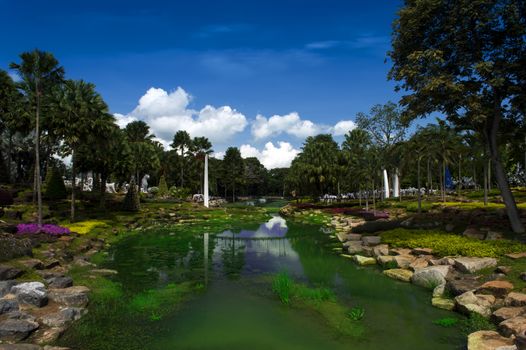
53,230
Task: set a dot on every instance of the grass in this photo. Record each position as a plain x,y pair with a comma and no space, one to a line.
474,323
447,244
447,322
321,301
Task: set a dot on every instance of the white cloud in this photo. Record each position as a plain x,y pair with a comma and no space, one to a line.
168,112
218,155
292,124
271,156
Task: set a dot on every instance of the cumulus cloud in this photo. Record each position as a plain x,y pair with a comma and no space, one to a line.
168,112
292,124
271,156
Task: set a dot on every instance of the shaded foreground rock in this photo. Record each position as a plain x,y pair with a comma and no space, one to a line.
513,326
9,272
508,312
488,340
72,296
16,330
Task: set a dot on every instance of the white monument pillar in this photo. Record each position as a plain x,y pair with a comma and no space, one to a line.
396,184
386,184
205,187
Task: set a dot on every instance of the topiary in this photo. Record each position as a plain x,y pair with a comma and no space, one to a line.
55,188
163,188
132,201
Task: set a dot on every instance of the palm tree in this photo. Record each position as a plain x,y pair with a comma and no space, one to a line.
143,149
80,114
40,72
183,143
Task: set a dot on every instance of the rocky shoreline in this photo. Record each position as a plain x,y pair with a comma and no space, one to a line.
35,312
453,280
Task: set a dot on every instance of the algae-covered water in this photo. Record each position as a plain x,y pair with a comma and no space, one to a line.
193,288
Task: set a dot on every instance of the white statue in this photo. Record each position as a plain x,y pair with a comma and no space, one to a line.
144,183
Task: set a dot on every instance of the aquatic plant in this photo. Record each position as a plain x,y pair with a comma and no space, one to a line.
282,286
446,322
356,313
53,230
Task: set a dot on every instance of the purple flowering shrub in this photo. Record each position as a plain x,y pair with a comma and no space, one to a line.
53,230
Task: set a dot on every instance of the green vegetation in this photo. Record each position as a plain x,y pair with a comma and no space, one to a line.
356,313
447,322
476,322
55,188
444,244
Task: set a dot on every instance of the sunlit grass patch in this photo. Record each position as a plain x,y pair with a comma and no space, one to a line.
445,244
84,227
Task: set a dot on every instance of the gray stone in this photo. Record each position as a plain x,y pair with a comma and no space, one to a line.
62,317
49,335
9,272
16,330
431,276
12,247
32,293
354,237
19,347
472,232
5,287
60,282
72,296
8,305
472,265
471,302
32,264
493,236
461,284
488,340
371,240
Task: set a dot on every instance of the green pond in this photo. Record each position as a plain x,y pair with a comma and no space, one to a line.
199,287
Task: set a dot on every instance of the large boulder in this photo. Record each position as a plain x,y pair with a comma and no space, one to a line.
9,272
31,293
72,296
16,330
515,299
470,302
431,276
513,326
12,247
472,264
399,274
488,340
497,288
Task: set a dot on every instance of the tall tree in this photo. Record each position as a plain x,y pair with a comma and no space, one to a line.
143,148
182,143
233,169
40,72
467,59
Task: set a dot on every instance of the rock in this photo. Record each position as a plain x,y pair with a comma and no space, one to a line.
431,276
19,315
439,290
47,347
34,264
422,251
12,247
8,305
488,340
461,284
443,303
385,259
9,273
472,265
512,326
62,317
32,293
516,255
364,260
474,233
72,296
404,261
16,330
355,247
450,227
399,274
497,288
106,272
401,251
507,312
418,263
515,299
442,261
5,287
381,249
523,276
471,302
367,251
60,282
503,269
19,347
354,237
49,336
371,240
51,264
493,236
82,263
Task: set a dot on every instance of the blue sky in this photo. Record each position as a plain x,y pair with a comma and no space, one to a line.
311,64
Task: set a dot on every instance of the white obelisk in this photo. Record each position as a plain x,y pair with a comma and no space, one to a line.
386,184
205,187
396,184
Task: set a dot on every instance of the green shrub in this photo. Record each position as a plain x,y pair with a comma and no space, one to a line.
132,200
446,322
425,207
55,188
179,192
356,313
163,188
476,322
445,244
